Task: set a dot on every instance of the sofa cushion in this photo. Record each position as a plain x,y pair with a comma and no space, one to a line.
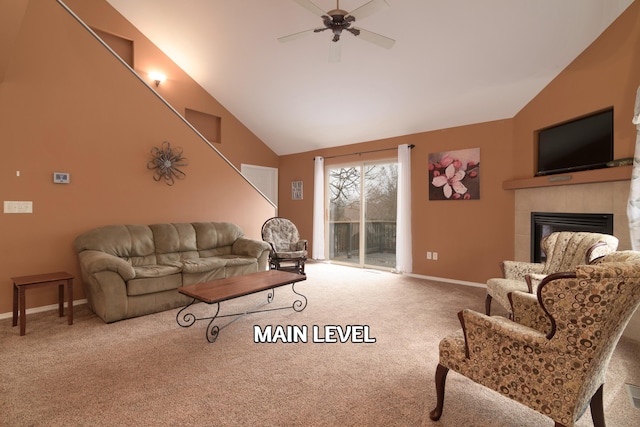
133,243
216,252
150,285
174,242
212,235
234,260
155,270
200,265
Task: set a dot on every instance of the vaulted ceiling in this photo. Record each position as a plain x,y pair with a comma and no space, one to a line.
454,62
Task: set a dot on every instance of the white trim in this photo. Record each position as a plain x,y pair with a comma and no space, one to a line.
43,308
442,279
264,178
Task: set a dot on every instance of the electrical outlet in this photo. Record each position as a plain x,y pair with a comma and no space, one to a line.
435,256
428,255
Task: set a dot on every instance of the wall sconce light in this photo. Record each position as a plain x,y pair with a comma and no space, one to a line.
157,77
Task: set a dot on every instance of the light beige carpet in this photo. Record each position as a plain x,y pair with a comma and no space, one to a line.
149,371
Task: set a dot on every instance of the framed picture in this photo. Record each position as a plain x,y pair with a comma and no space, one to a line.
455,175
296,190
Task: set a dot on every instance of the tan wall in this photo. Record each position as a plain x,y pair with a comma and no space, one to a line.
239,144
606,74
471,236
67,105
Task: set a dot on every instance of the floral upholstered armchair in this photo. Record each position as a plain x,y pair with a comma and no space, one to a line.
565,250
553,356
288,251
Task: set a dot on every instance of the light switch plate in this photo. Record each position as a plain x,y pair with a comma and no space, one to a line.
18,207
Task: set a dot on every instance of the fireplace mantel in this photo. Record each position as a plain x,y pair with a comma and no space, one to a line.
620,173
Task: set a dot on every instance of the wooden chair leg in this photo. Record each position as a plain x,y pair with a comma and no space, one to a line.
487,305
441,378
597,408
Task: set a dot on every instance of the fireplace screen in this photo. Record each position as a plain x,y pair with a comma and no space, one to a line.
545,223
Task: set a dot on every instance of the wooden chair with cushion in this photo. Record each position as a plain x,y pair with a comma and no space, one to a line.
553,356
565,250
288,251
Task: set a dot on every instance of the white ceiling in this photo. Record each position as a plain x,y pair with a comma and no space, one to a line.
455,62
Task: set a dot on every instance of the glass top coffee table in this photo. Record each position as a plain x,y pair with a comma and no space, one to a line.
220,290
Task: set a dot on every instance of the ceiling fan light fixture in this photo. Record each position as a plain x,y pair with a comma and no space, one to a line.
338,20
338,13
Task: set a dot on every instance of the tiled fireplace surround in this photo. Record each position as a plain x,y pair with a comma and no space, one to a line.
601,197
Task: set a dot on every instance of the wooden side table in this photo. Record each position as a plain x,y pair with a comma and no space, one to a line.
22,283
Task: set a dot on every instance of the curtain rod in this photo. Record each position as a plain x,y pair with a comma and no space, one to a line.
365,152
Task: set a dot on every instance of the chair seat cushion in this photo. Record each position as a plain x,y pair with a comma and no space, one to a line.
499,289
291,255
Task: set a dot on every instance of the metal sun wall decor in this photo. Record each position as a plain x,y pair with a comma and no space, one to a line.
166,162
454,175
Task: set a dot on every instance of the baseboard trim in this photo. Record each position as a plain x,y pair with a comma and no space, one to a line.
43,308
442,279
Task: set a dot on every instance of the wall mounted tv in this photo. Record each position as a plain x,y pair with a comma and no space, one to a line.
580,144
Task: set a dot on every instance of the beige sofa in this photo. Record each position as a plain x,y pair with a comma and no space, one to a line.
133,270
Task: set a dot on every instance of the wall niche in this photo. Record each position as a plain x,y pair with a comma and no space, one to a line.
121,46
207,124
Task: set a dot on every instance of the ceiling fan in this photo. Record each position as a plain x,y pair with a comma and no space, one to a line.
338,20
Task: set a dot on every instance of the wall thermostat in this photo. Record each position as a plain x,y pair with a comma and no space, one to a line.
60,177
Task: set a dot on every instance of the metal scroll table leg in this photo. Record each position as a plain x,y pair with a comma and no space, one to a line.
186,318
298,305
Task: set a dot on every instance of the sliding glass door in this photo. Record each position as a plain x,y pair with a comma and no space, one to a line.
362,213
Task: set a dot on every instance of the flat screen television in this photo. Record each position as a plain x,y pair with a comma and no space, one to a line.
580,144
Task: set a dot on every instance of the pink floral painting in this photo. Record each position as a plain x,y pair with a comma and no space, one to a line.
455,175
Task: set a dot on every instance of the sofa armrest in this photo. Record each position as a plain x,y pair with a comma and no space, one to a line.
95,261
249,247
517,270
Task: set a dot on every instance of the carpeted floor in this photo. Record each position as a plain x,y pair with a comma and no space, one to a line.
149,371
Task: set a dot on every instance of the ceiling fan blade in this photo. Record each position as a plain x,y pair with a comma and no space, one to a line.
368,9
375,38
334,52
294,36
311,7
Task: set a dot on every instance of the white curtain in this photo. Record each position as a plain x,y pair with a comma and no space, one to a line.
317,250
404,259
633,206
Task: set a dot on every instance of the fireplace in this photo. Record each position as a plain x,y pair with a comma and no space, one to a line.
545,223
